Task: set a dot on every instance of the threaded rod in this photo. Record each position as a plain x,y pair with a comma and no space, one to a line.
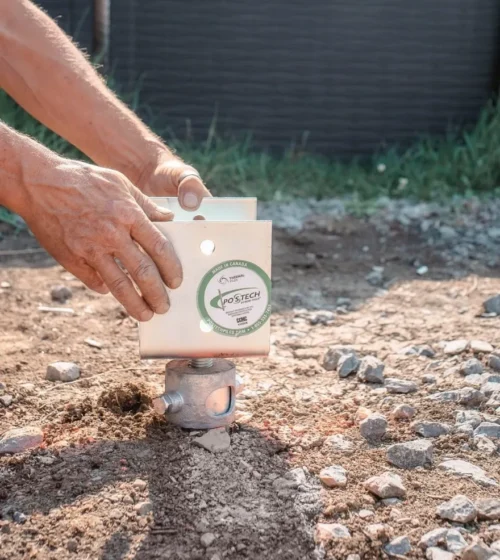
201,362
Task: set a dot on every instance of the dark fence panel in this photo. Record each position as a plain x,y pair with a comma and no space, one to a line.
76,17
349,75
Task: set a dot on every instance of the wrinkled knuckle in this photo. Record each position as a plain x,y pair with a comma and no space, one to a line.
161,247
120,286
144,272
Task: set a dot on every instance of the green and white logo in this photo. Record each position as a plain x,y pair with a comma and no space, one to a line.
234,298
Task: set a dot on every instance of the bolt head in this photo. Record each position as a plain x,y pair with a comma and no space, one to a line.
160,405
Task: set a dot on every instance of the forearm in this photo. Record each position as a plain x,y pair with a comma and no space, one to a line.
52,80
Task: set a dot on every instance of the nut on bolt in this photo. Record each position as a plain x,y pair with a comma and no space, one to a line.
169,402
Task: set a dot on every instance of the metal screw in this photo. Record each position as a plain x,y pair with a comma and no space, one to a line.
201,362
169,402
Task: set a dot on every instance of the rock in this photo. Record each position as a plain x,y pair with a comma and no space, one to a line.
324,318
492,305
466,396
403,386
6,400
371,370
477,551
490,388
386,485
485,445
433,538
353,557
480,346
398,547
459,509
328,531
471,417
63,371
467,470
366,513
94,343
430,429
429,379
143,508
334,476
411,454
339,443
494,362
376,276
61,293
3,388
72,545
377,532
139,484
215,441
426,350
348,363
488,508
20,439
19,517
5,285
207,539
466,429
332,357
362,414
374,427
435,553
471,366
488,429
403,412
454,541
456,347
390,502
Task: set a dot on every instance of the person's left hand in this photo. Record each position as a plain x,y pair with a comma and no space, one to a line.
173,177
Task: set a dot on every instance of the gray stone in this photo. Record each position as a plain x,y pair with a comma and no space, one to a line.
371,370
494,362
386,485
18,440
398,547
435,553
6,400
455,542
389,502
339,443
402,386
466,429
471,366
485,445
466,396
215,441
63,371
207,539
19,517
467,470
490,388
495,546
426,350
492,305
332,357
403,412
374,427
61,293
459,509
139,484
481,346
429,379
488,429
433,538
472,417
348,363
376,276
3,388
456,347
329,531
477,551
334,476
430,429
143,508
488,508
377,532
474,380
411,454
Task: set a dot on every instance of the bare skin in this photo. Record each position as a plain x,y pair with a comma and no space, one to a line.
88,216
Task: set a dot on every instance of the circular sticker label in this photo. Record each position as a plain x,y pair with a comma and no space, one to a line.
234,298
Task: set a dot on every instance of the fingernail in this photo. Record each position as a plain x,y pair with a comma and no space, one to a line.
190,200
146,315
176,282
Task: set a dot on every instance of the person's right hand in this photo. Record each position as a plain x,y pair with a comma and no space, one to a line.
87,216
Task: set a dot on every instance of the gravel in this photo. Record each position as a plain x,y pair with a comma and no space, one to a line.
398,547
374,427
467,470
371,370
402,386
459,509
386,485
334,476
411,454
18,440
471,367
347,364
403,412
215,441
430,429
63,371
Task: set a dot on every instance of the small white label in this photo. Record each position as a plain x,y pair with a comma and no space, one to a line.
234,298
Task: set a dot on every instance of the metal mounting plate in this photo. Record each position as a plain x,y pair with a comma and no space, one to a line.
213,209
178,333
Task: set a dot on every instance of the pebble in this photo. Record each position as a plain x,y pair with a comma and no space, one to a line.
62,371
456,347
494,362
411,454
429,379
430,429
402,386
472,417
459,509
455,543
489,429
332,357
5,285
139,484
376,276
348,363
492,305
467,470
481,346
371,370
398,547
477,551
19,517
374,427
466,429
403,412
72,545
488,508
143,508
490,388
466,396
377,531
353,557
433,538
386,485
328,531
471,366
485,445
207,539
215,441
339,443
334,476
6,400
61,293
362,414
435,553
18,440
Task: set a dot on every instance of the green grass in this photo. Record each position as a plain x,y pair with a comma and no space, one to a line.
464,163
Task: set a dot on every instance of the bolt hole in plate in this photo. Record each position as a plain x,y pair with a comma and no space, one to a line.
207,247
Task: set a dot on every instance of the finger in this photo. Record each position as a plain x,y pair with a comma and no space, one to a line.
86,274
123,290
145,274
160,249
191,191
154,212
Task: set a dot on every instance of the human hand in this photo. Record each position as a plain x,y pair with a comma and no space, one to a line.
87,216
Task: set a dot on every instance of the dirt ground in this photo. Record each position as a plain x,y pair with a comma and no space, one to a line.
104,456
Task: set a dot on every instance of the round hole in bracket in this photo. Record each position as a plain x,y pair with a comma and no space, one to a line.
207,247
205,327
199,217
